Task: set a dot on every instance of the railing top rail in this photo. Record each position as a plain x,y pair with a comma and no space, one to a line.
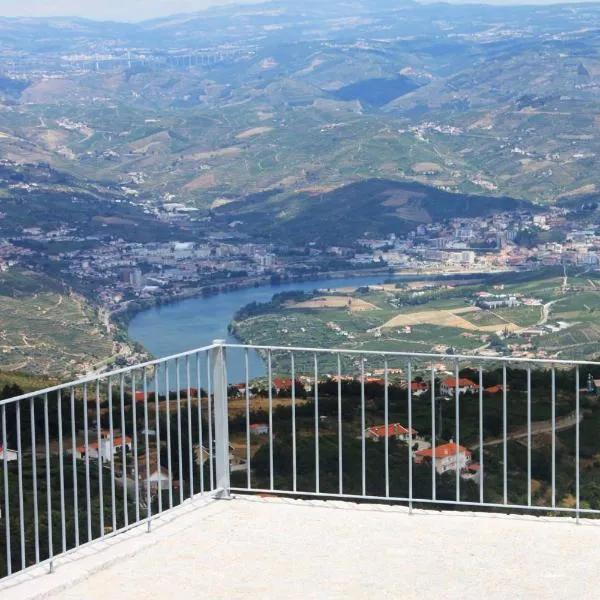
446,357
106,375
364,353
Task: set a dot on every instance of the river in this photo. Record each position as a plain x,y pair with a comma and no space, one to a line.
196,322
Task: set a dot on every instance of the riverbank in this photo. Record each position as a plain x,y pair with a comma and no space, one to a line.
124,315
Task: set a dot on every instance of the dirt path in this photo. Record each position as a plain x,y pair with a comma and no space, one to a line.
546,312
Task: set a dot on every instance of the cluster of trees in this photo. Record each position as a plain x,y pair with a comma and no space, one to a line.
254,309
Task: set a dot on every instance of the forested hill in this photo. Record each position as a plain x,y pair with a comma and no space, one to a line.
340,216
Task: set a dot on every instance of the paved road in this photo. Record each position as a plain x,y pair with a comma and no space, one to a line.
536,428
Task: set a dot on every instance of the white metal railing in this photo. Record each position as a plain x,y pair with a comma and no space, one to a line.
95,457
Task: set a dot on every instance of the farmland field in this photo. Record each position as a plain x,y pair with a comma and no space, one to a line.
402,318
448,318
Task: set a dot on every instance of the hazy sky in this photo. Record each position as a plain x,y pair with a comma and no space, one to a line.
133,10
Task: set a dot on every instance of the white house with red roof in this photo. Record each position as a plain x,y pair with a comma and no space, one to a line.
109,447
465,386
418,388
394,430
259,429
159,479
8,455
446,457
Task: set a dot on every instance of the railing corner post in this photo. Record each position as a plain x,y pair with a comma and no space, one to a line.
221,416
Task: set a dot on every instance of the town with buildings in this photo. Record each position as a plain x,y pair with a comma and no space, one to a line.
120,273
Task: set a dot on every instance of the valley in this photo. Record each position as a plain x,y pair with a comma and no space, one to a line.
145,162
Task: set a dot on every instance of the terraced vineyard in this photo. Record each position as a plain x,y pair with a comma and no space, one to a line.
46,329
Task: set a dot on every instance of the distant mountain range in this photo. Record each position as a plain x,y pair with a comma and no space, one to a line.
212,108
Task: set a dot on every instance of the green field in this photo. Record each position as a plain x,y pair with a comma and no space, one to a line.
523,316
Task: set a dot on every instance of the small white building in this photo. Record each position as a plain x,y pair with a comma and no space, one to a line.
158,480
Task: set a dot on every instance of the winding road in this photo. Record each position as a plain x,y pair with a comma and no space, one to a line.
537,427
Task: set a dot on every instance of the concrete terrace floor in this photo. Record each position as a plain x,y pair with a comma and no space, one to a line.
253,547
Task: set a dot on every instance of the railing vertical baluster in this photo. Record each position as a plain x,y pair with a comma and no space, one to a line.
340,438
210,422
294,463
577,434
157,440
386,424
112,447
20,476
433,434
100,458
247,398
124,450
179,432
36,521
169,458
410,440
505,435
86,447
363,427
48,486
136,474
6,493
317,432
270,394
63,528
529,493
74,467
458,464
481,495
189,428
222,460
200,433
553,437
147,440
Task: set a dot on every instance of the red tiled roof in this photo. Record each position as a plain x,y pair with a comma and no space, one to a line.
282,383
393,429
462,382
416,386
495,389
443,451
118,441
